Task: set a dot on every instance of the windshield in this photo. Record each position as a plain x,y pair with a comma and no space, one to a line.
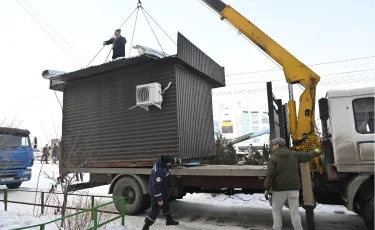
13,141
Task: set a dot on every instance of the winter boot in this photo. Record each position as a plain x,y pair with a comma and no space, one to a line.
170,221
147,225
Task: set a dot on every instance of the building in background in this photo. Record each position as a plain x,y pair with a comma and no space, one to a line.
53,141
237,119
216,129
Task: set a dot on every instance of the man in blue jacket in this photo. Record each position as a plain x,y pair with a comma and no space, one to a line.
159,186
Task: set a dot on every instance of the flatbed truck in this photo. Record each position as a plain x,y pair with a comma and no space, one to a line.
344,175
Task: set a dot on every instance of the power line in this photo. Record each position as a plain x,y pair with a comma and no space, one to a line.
345,60
236,77
362,76
346,66
354,71
267,78
272,77
34,17
55,30
284,87
364,79
317,64
47,26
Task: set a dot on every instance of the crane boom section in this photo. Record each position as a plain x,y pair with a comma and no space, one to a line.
302,129
295,71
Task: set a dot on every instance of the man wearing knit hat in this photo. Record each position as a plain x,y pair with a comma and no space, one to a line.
159,185
118,44
283,178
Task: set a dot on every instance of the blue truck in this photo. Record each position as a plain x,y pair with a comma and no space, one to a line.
16,156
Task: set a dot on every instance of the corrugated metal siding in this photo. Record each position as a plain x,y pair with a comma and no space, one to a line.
193,56
195,118
98,124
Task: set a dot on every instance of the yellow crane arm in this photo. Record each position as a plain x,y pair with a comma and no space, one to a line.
302,128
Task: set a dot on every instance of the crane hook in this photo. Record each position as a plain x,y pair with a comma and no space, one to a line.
139,3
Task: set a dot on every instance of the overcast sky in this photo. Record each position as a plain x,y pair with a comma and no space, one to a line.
315,31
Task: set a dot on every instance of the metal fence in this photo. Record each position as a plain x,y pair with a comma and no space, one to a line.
94,210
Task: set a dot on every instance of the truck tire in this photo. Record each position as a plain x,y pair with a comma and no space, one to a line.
131,190
14,185
367,211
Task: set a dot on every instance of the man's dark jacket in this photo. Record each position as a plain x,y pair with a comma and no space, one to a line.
159,181
55,150
118,46
282,171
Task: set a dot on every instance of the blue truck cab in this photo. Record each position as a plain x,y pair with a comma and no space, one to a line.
16,156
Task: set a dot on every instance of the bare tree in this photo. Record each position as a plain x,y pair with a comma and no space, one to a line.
72,157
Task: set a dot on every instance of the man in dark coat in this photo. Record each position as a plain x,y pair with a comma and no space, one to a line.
45,154
54,153
118,44
283,178
159,186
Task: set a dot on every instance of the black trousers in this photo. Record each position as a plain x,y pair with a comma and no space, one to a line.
155,208
45,158
80,176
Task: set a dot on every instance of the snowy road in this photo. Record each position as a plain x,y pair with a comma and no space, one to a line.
202,211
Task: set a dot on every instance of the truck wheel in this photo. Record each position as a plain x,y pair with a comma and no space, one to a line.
14,185
367,211
131,190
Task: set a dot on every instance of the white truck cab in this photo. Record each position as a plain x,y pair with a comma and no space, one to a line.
351,121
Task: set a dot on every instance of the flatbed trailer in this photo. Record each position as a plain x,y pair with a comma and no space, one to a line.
132,182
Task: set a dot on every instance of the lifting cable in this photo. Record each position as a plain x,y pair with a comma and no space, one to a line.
135,24
159,26
112,35
139,6
152,30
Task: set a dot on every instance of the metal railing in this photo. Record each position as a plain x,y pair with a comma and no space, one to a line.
94,210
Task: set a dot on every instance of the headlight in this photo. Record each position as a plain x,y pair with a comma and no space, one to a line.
27,173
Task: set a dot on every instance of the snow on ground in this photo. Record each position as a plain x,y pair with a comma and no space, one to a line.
18,218
194,211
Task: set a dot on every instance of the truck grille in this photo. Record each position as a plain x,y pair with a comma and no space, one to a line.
6,175
10,163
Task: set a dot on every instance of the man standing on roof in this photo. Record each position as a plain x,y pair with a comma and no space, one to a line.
283,178
159,186
118,44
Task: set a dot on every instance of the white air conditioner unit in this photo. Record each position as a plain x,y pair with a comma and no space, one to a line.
149,94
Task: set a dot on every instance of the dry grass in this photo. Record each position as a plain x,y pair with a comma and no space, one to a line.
81,221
